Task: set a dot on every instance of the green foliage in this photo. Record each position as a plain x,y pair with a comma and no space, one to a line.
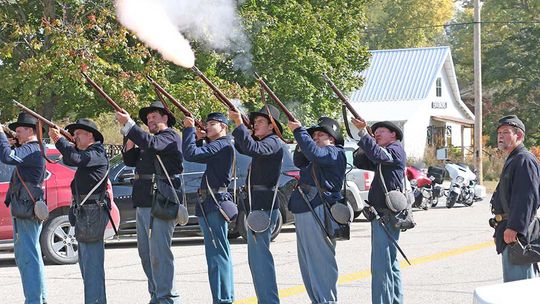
45,44
510,62
294,42
407,23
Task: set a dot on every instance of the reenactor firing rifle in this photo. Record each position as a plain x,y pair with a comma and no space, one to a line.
345,101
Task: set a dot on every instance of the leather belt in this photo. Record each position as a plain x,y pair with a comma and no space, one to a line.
93,197
148,176
205,192
501,217
262,188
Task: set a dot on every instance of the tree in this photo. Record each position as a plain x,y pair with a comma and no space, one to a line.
510,61
44,45
294,42
407,23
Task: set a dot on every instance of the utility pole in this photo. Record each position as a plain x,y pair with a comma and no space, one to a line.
478,94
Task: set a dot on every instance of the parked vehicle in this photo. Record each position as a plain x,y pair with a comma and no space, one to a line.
58,244
462,185
426,185
358,182
121,177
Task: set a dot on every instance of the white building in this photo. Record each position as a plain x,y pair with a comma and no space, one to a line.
418,90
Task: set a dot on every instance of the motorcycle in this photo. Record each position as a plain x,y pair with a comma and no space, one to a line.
427,188
462,186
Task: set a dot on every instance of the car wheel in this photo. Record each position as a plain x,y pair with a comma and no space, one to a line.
58,243
241,225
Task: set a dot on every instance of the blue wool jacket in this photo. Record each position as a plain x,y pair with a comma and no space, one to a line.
330,164
519,189
91,164
218,157
266,158
167,144
393,160
31,165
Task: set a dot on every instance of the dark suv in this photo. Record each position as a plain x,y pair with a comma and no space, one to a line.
121,177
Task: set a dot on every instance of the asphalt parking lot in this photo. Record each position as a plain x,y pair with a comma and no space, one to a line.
451,251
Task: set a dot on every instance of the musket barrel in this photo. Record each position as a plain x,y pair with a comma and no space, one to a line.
341,96
219,95
43,119
102,93
345,101
174,101
274,97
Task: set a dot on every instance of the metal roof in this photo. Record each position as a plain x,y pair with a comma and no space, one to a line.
401,74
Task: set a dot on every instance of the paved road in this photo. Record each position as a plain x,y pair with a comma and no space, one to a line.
451,252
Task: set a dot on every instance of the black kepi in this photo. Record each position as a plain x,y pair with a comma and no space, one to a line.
156,105
217,117
330,127
511,120
87,125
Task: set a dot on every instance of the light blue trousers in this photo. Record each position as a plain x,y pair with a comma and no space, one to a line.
386,285
156,256
218,258
261,263
28,258
316,257
91,259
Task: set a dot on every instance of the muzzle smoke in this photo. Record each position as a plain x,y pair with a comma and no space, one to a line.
166,26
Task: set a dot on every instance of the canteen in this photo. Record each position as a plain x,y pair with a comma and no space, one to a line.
342,213
182,216
41,210
258,221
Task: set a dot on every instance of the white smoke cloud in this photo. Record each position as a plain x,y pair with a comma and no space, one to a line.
213,23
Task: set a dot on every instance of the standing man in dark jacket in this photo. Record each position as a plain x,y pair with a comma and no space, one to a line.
266,150
517,196
92,163
319,154
386,151
154,235
217,154
30,169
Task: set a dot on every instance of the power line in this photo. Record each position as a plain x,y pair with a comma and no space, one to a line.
454,24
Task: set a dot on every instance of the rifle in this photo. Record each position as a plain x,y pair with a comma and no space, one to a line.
187,113
272,95
9,132
383,225
102,93
220,96
345,101
49,123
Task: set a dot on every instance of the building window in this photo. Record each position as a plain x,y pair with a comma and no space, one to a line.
438,87
439,136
